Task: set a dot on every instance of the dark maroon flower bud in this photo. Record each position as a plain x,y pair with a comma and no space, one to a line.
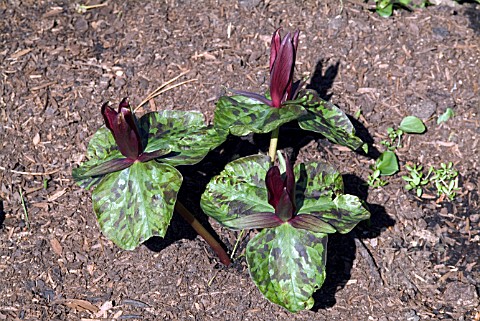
124,128
282,63
281,191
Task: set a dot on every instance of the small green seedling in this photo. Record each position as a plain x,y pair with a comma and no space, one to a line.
385,165
445,180
82,8
374,180
410,125
385,8
445,116
395,139
415,180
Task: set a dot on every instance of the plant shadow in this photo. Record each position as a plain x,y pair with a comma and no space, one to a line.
473,14
341,248
195,179
323,82
2,214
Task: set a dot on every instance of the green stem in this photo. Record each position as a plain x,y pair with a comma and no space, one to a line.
272,150
187,216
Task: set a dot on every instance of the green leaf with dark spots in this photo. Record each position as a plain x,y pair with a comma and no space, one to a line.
343,213
288,265
238,191
101,149
184,133
136,203
327,119
317,182
243,115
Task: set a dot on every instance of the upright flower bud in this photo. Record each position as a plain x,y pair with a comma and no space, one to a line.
281,191
124,128
282,63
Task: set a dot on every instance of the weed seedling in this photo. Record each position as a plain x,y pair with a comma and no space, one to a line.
387,163
415,180
445,116
445,180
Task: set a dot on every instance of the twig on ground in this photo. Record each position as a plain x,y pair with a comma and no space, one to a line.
24,206
29,173
163,88
239,238
365,253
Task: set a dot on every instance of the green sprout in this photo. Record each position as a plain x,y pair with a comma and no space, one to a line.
445,116
395,137
445,180
415,180
374,180
82,8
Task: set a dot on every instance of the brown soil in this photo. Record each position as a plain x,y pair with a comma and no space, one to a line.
416,260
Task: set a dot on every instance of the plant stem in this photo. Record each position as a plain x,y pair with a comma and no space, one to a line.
272,150
216,247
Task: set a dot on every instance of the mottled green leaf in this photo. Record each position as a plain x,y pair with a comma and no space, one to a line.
136,203
106,167
288,265
184,133
327,119
238,191
343,213
101,148
316,181
243,115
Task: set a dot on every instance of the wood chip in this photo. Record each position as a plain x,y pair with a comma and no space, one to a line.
102,313
56,195
36,139
56,246
80,305
20,53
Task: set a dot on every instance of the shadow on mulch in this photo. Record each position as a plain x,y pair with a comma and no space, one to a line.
2,214
473,14
321,82
341,248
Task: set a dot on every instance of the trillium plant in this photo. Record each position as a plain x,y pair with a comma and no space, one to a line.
296,210
131,167
245,112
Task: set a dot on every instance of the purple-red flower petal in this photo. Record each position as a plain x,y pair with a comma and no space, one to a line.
110,166
274,183
311,223
281,75
281,191
274,47
285,209
257,220
255,96
123,126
